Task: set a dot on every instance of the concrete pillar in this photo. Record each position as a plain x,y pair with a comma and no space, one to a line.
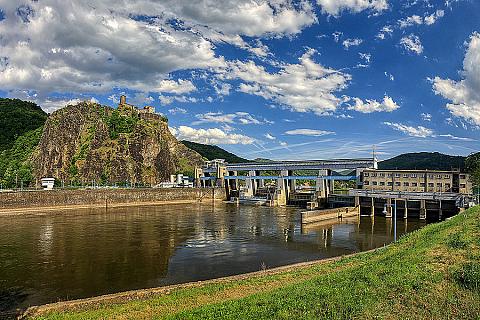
260,182
389,208
357,201
405,213
423,210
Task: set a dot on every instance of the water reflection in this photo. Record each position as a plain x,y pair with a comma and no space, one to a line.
92,252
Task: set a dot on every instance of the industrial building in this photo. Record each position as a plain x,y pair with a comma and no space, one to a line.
416,181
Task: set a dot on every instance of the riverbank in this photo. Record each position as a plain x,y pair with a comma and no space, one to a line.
29,202
432,273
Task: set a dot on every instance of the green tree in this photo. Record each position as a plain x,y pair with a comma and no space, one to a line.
472,166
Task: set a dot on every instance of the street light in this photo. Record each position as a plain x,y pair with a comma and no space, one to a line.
394,205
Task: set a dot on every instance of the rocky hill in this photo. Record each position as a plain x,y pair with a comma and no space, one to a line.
86,142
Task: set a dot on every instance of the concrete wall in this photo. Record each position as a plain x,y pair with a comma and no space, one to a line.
98,197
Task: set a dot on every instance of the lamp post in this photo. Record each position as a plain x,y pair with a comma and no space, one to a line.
394,205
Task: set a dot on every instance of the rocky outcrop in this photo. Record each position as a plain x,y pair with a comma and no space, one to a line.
87,142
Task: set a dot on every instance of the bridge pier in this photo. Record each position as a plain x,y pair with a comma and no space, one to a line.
405,213
423,210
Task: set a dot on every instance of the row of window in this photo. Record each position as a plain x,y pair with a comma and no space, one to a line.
411,184
410,175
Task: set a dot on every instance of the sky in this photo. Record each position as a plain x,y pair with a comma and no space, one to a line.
277,79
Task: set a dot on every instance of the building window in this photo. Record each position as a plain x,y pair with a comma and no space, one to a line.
422,175
422,184
431,185
390,183
462,186
413,175
374,174
406,184
462,176
439,176
447,176
447,185
431,176
397,183
382,183
414,184
439,185
365,183
397,175
390,175
374,183
405,175
366,174
382,175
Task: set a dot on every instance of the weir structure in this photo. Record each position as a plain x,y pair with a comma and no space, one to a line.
276,182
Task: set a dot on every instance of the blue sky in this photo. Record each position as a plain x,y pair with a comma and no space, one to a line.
275,79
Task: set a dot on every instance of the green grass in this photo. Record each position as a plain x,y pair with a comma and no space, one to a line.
426,275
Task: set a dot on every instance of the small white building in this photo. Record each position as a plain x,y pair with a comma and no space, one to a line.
48,183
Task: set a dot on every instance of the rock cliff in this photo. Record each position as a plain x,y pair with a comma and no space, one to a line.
85,142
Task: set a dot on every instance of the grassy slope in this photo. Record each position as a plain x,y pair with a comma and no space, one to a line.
433,273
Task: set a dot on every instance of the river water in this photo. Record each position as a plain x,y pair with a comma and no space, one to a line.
85,253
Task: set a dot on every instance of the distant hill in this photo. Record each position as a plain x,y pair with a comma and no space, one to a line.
423,160
213,152
16,118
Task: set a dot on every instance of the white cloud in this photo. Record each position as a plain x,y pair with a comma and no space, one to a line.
419,131
230,118
418,20
222,89
335,7
431,19
450,136
309,132
386,30
269,136
336,36
176,87
369,106
82,47
177,110
304,87
410,21
426,116
212,136
351,43
412,43
166,100
389,76
464,94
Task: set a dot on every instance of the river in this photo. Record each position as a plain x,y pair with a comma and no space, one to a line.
84,253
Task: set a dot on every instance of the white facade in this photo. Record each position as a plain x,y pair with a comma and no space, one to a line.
48,183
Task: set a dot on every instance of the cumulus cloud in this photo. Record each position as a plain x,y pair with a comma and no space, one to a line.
176,87
386,30
303,87
369,106
412,43
419,131
212,136
77,47
418,20
269,136
229,118
351,43
464,94
335,7
177,110
308,132
426,116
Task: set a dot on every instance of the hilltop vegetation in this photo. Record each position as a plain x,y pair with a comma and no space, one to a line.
21,124
16,118
432,273
213,152
424,160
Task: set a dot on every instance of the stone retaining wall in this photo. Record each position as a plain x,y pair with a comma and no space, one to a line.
97,197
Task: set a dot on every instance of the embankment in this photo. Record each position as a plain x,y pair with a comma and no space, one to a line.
12,202
432,273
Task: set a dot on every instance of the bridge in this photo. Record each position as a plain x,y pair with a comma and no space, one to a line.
249,180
